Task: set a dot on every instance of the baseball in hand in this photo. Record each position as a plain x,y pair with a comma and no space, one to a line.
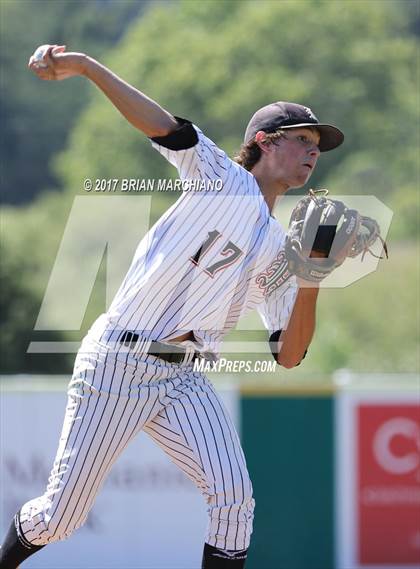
38,56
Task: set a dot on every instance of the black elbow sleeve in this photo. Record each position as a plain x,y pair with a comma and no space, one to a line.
273,342
184,137
303,357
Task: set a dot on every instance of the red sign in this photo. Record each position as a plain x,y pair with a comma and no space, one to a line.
388,486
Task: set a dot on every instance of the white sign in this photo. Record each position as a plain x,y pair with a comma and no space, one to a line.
378,476
148,515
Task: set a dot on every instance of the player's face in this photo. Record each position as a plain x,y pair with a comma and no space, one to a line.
296,155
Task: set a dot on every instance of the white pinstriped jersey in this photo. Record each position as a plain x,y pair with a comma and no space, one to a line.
210,259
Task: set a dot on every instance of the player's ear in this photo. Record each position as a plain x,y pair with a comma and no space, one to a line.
261,140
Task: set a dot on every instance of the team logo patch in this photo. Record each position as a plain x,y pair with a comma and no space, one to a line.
275,275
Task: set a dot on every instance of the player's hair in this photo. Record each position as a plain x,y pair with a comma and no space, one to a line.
250,153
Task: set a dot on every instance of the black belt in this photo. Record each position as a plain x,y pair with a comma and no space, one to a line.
176,354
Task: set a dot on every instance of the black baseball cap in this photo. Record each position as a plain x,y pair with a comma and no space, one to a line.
282,115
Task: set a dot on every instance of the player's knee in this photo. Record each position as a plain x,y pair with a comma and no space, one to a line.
231,523
246,509
239,496
50,531
244,493
239,503
58,530
41,526
242,496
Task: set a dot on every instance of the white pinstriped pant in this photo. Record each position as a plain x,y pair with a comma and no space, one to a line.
110,399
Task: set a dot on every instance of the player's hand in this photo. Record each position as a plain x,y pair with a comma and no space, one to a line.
56,64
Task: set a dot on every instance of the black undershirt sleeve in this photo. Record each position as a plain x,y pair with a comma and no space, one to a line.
184,137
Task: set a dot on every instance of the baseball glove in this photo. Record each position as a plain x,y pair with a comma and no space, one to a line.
322,227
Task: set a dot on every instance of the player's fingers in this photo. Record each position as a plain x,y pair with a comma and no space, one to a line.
32,62
34,65
40,53
42,72
58,49
48,56
49,72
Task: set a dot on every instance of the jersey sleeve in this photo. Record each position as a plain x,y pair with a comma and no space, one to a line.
193,154
277,308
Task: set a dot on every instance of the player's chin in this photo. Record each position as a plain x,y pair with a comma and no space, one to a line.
300,180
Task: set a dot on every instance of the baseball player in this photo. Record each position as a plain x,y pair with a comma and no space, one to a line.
211,258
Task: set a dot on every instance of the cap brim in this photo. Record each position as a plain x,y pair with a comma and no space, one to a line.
331,136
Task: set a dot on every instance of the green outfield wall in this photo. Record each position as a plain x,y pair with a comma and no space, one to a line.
288,441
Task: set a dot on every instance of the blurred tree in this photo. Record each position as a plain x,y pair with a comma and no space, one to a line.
35,118
215,62
353,331
413,9
354,63
19,305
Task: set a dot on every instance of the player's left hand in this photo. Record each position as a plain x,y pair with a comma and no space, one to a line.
322,227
